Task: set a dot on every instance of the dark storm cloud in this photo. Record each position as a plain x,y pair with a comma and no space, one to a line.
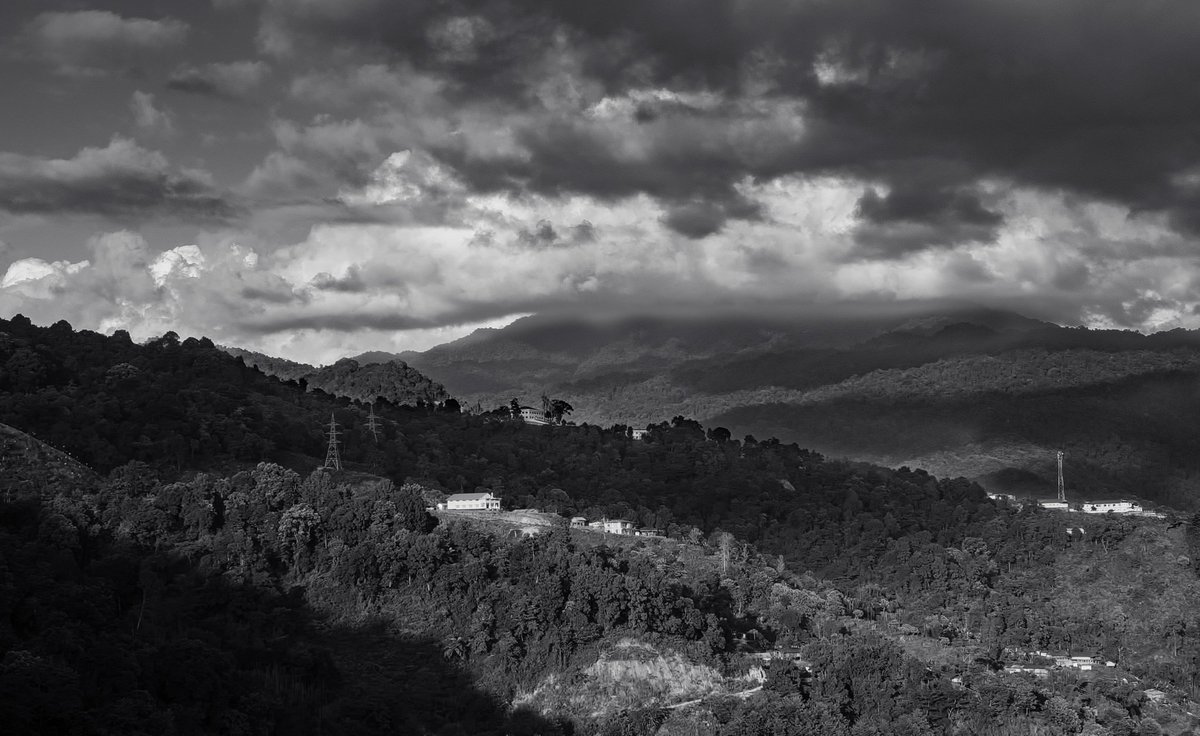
910,219
701,218
122,180
1095,99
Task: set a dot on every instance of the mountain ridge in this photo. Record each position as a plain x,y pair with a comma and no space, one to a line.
955,389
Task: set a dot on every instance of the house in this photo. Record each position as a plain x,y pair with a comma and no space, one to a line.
1054,504
597,525
529,415
578,522
638,434
1016,669
646,532
1077,663
618,526
473,502
1113,507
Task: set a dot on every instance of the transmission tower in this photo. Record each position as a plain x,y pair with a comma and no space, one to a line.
373,425
1062,488
333,460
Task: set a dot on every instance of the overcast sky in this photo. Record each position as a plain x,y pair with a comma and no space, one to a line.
315,178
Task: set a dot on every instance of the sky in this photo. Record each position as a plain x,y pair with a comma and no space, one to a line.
317,178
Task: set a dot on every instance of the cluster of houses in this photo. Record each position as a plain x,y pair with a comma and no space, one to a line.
491,502
1061,662
1121,507
614,526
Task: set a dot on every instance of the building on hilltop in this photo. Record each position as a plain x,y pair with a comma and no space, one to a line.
638,434
472,502
530,415
1114,507
1054,504
578,522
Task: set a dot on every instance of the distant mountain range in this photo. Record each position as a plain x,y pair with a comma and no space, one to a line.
986,394
361,380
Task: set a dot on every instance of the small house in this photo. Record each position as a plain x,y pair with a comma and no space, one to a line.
1055,505
578,522
473,502
647,532
638,434
618,526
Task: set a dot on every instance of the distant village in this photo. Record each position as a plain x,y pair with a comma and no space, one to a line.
1120,507
490,502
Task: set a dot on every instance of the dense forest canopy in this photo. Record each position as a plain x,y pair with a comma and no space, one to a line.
233,589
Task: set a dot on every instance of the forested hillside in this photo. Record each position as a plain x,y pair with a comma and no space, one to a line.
210,581
390,380
988,395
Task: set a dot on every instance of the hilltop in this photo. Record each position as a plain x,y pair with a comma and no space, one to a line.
367,381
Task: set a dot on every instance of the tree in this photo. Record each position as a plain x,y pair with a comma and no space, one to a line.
559,408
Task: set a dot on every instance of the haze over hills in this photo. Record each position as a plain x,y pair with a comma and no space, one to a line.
987,394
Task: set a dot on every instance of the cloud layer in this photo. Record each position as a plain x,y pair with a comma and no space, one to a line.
388,170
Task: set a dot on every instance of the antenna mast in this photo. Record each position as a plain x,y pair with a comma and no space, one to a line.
372,425
333,460
1062,488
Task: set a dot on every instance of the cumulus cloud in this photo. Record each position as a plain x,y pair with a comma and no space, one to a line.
356,285
99,41
147,117
121,180
226,80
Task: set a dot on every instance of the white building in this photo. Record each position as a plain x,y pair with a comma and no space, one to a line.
533,416
1054,504
473,502
1113,507
578,522
638,434
618,526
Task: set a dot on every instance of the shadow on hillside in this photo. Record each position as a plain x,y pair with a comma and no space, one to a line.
99,637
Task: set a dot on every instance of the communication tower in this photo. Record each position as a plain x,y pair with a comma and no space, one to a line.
1062,488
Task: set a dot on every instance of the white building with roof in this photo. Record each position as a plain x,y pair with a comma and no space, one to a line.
1111,507
473,502
530,415
618,526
